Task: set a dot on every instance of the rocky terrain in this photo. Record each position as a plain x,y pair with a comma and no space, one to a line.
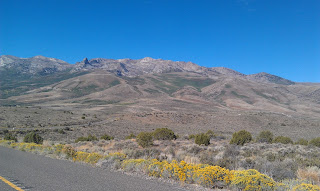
123,96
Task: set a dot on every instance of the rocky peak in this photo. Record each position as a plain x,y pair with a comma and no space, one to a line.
147,59
85,61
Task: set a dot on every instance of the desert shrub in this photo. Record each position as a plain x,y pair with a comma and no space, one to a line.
135,165
10,137
151,153
231,151
69,151
311,174
228,163
202,139
283,140
33,138
315,142
61,131
282,170
164,134
252,180
192,136
5,131
106,137
265,137
241,137
194,149
145,139
89,138
58,149
211,134
302,142
131,136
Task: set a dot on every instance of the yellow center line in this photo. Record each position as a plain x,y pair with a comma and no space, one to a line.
10,184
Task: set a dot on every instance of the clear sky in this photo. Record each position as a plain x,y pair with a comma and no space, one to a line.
281,37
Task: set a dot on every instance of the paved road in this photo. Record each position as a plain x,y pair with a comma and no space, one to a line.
34,172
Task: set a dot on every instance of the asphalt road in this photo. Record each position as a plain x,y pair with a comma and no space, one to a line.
38,173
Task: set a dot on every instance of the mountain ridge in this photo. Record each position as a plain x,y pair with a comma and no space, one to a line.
129,67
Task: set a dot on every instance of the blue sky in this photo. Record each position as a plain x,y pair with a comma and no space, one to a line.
281,37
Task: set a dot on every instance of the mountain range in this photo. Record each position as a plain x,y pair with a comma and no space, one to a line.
105,81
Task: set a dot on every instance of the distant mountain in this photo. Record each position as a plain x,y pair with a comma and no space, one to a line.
18,75
38,65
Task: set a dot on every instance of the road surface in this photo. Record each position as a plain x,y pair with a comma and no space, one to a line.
33,172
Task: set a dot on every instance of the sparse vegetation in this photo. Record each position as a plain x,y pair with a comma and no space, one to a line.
106,137
131,136
89,138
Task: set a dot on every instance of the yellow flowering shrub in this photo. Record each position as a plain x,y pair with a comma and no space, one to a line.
155,168
204,175
306,187
117,155
252,180
211,175
93,158
80,156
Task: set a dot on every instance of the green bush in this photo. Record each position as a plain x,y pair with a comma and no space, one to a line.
131,136
283,140
33,138
192,136
10,137
89,138
164,134
265,137
145,139
302,142
315,142
106,137
241,137
211,134
202,139
61,131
